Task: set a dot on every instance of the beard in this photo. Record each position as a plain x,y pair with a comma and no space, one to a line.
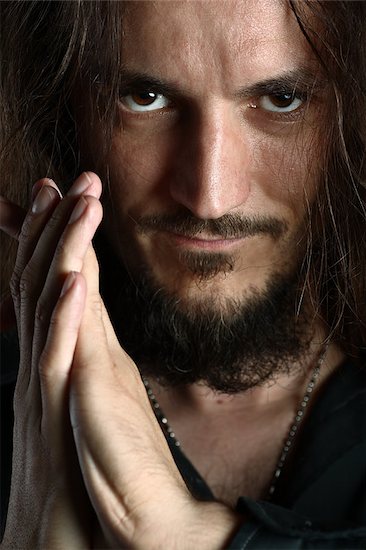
230,345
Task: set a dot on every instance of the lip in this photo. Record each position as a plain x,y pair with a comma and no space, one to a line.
203,243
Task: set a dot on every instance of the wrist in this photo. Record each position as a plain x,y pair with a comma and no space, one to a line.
211,527
192,524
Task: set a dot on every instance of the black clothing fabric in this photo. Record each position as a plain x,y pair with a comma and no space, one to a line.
319,503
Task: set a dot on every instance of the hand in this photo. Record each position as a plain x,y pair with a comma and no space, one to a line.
135,487
48,504
133,483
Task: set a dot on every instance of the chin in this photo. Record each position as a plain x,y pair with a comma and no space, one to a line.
211,329
210,281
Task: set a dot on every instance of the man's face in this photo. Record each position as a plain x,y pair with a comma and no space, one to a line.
215,126
212,170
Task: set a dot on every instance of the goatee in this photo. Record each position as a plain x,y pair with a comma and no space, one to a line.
245,343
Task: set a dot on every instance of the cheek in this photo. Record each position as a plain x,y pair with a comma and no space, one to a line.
287,170
139,163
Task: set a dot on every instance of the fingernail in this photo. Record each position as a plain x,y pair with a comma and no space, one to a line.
78,210
81,185
39,184
44,199
69,281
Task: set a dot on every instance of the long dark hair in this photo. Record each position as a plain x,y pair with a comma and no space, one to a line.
336,259
46,46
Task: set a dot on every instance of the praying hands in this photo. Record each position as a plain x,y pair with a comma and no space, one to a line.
91,466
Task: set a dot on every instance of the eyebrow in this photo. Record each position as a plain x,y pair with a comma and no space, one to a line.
298,79
132,80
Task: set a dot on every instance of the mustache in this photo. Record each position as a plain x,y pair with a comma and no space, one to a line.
232,226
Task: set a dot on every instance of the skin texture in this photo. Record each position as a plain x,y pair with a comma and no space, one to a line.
210,151
80,405
68,386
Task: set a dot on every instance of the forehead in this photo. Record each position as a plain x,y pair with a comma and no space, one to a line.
228,40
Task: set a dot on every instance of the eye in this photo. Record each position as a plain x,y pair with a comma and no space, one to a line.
145,101
280,103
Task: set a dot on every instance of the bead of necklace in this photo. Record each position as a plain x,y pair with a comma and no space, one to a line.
162,419
291,436
289,440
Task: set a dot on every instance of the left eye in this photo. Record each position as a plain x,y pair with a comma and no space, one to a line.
145,101
280,103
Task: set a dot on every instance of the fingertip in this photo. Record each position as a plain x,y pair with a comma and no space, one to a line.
41,183
97,208
95,189
46,198
68,284
94,180
73,280
90,206
87,183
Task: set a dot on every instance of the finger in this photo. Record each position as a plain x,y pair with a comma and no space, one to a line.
57,356
33,226
54,368
90,354
41,213
44,204
88,183
37,216
12,216
45,192
94,300
69,256
40,234
106,386
40,183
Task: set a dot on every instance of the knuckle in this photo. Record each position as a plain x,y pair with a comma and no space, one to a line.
61,251
41,312
27,281
44,368
96,305
54,221
95,206
14,284
57,324
66,257
26,229
24,286
21,384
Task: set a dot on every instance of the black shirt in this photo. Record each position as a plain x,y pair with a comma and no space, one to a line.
320,501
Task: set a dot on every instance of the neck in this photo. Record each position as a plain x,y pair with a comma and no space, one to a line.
252,433
283,393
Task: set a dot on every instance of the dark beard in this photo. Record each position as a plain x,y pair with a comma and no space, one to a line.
248,343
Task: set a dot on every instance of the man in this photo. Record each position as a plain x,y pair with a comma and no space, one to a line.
220,212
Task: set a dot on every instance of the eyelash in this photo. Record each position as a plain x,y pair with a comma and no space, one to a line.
148,113
291,115
254,103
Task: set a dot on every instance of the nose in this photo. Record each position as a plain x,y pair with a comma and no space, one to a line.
212,168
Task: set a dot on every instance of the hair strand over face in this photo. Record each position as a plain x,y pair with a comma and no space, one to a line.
49,49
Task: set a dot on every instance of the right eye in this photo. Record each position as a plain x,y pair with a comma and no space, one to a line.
280,103
145,101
